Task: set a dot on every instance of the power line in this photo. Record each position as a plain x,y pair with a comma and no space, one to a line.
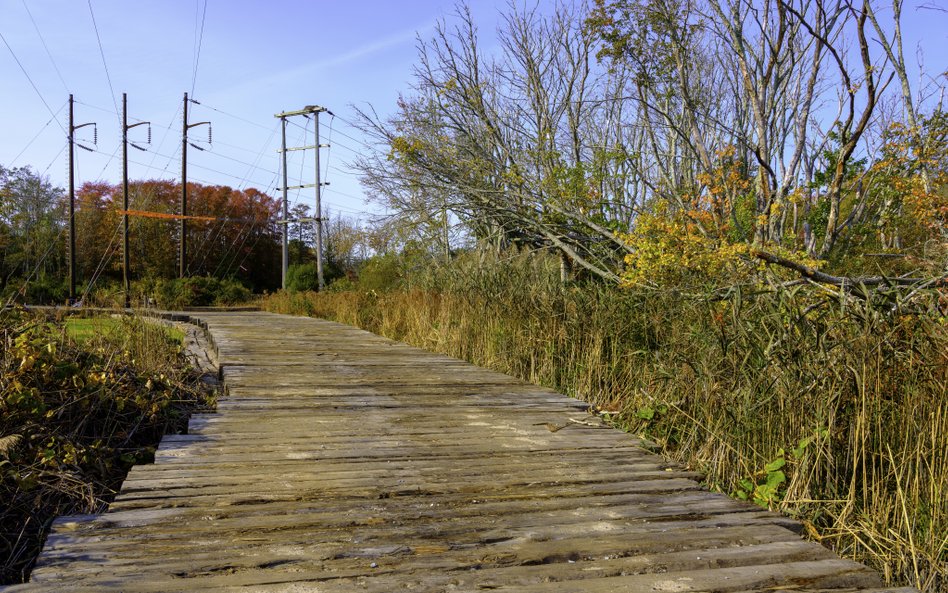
349,148
108,77
43,41
155,154
356,140
199,42
55,158
250,150
328,147
237,117
42,260
347,172
343,134
344,194
38,134
302,141
241,187
168,128
33,84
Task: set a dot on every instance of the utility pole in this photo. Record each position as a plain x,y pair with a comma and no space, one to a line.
315,110
72,194
125,143
319,208
286,213
183,252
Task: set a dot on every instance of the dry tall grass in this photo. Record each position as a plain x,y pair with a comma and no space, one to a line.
824,408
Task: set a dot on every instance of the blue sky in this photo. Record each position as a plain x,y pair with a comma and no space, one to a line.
256,58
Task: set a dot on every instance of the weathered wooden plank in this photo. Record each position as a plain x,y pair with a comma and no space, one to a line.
342,461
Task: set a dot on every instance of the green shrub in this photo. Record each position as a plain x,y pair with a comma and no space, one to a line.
343,284
302,277
381,273
41,291
199,291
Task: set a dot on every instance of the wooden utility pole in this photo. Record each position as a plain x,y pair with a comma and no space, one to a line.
72,204
183,253
125,143
315,110
286,212
72,194
319,207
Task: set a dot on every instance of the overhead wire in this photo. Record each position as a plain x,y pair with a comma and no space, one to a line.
241,187
108,253
337,169
237,117
199,40
348,123
302,142
105,65
244,231
349,148
328,147
38,134
40,262
46,47
53,162
169,127
33,84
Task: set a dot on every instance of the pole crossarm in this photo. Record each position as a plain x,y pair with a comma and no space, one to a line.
304,111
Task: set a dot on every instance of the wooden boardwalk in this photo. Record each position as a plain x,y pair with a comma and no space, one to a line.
342,461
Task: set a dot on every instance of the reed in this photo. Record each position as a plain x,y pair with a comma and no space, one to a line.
829,410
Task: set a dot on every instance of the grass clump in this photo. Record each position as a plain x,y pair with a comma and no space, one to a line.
80,403
826,406
173,294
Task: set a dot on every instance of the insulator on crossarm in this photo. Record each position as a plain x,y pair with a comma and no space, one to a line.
149,133
95,135
209,129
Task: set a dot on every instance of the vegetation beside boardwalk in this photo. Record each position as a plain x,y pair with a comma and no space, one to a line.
81,401
729,232
827,407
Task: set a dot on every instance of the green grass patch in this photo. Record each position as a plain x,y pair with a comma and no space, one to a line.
82,330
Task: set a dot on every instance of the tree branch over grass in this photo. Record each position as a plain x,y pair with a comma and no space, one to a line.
846,282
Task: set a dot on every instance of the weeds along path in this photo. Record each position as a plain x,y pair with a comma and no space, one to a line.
831,411
81,401
340,460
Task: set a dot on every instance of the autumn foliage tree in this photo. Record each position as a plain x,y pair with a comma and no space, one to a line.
608,131
232,234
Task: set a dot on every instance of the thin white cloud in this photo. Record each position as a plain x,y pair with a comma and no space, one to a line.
309,69
368,49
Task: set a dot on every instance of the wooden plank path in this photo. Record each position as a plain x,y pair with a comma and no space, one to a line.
343,461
